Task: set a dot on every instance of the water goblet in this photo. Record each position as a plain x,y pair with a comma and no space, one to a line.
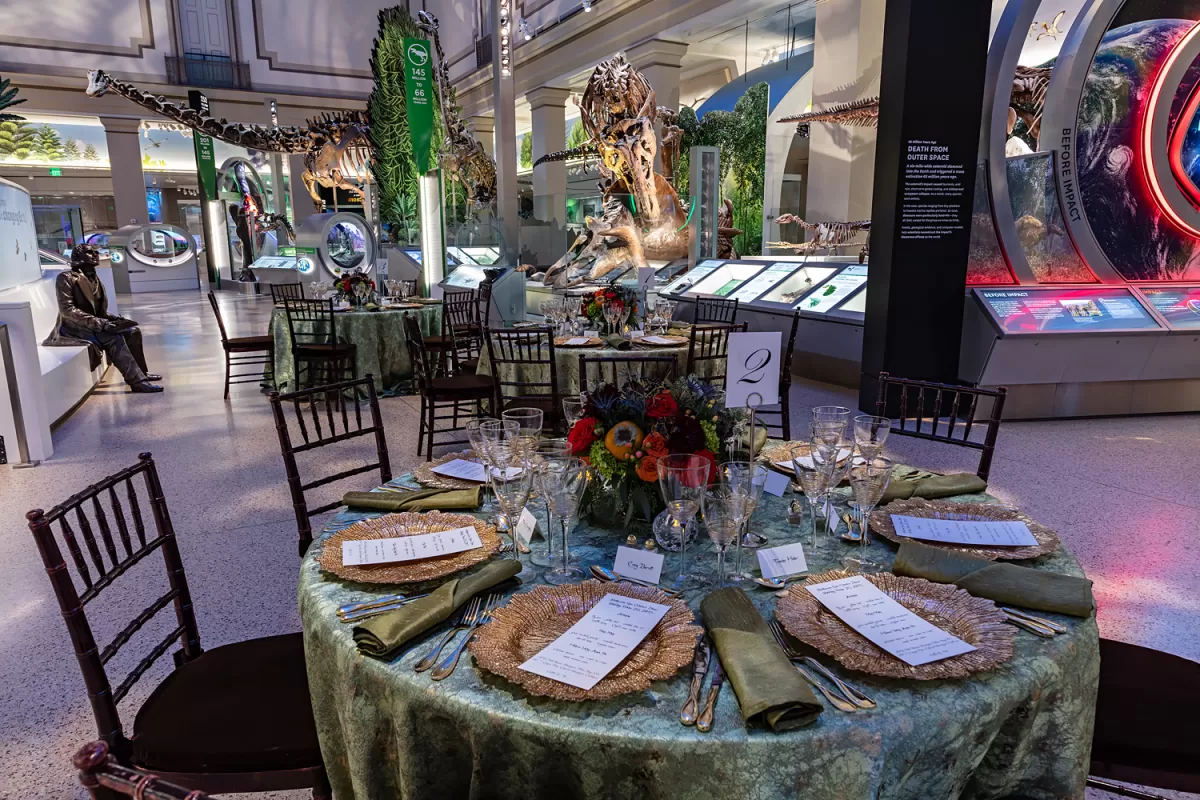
870,434
813,482
744,482
868,482
572,410
565,481
723,524
529,421
512,485
546,449
683,479
475,437
832,414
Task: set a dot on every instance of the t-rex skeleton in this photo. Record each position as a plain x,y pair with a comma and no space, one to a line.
335,145
826,235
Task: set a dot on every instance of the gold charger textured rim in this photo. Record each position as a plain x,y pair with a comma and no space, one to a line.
424,474
407,523
782,452
593,341
881,522
975,620
530,621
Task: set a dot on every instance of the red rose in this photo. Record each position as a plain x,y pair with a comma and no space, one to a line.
581,436
712,465
662,405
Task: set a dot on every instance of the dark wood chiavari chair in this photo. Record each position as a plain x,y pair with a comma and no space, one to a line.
339,425
236,718
708,349
942,405
716,310
485,306
313,327
778,421
524,351
599,370
462,396
286,291
245,351
105,779
461,340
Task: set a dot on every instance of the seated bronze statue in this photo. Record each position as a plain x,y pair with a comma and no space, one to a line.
83,319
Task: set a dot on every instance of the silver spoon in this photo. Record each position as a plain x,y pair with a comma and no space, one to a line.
780,583
607,575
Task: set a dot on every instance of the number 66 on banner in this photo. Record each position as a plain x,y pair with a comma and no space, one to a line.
752,368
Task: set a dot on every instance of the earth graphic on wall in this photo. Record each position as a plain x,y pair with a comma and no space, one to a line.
1139,242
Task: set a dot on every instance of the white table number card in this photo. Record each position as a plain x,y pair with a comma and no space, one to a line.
462,469
782,562
753,368
409,548
595,645
526,525
864,607
645,278
641,565
978,533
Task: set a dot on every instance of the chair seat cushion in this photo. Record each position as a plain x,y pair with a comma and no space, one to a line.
241,707
244,343
322,350
468,365
475,385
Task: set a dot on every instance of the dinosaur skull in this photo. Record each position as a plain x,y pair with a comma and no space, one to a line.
98,82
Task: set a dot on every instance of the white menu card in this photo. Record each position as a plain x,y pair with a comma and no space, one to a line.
462,469
889,625
657,340
409,548
595,645
979,533
578,341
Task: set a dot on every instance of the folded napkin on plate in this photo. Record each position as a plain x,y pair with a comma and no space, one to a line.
371,307
422,500
617,342
768,687
907,482
1003,583
382,636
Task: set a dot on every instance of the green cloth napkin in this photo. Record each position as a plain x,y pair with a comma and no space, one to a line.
422,500
1001,582
384,635
617,342
768,687
907,482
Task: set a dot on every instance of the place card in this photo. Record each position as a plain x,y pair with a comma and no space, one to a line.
409,548
526,525
978,533
782,562
463,470
864,607
777,483
592,334
578,341
594,646
832,520
641,565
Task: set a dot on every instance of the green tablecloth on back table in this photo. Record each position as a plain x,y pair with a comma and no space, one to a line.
1022,730
379,336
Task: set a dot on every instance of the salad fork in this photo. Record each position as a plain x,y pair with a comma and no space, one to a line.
469,616
451,662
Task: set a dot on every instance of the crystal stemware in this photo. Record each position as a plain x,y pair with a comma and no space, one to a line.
870,434
825,458
572,410
529,433
831,414
683,479
813,482
565,480
722,521
868,482
512,485
546,449
744,481
475,437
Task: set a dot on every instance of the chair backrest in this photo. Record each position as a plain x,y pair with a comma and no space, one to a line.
460,322
778,420
716,309
106,535
310,322
339,425
533,377
485,303
932,411
422,364
105,779
286,291
212,300
596,371
708,349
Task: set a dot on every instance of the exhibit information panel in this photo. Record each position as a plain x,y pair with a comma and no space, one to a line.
702,270
1178,305
857,304
726,279
763,281
797,285
465,277
475,255
834,290
1066,310
415,254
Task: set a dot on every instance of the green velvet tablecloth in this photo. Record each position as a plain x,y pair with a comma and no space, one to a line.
1022,730
379,335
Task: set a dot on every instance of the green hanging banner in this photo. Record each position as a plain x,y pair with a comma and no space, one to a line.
418,91
206,165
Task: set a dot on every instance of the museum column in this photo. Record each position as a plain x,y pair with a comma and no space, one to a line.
125,164
847,56
504,104
548,107
484,130
659,60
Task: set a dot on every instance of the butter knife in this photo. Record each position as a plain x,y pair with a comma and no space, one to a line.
699,669
705,722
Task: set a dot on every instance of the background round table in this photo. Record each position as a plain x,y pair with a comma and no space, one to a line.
1022,730
379,336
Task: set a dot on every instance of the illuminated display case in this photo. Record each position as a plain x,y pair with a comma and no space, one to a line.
1041,311
801,280
685,282
725,279
154,257
1179,306
482,256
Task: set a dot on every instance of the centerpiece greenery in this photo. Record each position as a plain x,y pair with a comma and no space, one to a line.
355,286
621,297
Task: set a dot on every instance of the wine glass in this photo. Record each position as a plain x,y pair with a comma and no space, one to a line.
832,414
546,449
825,459
868,482
744,482
813,481
512,486
475,437
683,479
529,421
564,480
572,410
870,433
722,521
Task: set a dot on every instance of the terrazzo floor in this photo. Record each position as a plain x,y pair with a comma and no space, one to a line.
1121,493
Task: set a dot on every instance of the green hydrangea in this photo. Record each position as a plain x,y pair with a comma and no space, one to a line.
603,460
711,441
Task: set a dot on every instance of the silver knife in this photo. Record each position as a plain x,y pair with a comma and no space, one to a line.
699,669
1051,624
705,722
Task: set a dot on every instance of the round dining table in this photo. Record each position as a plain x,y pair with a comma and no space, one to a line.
381,345
1021,730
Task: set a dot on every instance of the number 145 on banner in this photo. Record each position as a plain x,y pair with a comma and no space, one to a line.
753,369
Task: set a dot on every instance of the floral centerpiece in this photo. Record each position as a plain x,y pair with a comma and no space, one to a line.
621,302
625,431
355,286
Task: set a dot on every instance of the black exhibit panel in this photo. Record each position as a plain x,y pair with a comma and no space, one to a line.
930,109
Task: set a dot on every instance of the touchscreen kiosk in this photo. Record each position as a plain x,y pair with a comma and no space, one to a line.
1178,305
1034,310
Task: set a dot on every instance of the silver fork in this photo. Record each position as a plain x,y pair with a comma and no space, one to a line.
469,616
449,663
857,699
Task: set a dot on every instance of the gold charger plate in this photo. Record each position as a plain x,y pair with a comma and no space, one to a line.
675,341
1047,539
531,621
592,341
407,523
425,475
976,621
779,457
